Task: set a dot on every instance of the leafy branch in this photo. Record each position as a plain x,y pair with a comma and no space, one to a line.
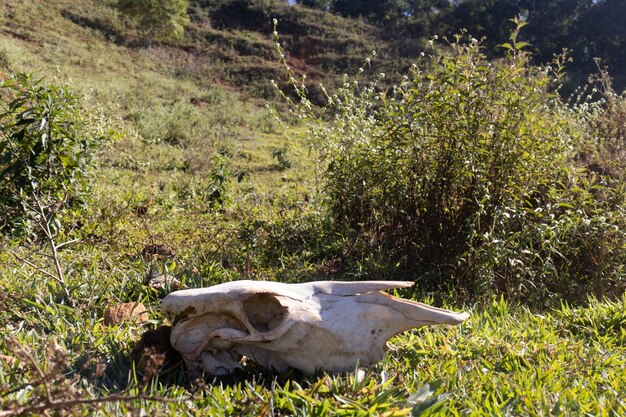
47,146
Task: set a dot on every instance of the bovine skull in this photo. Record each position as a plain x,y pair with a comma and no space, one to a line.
327,325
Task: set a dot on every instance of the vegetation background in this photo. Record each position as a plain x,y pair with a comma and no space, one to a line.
150,145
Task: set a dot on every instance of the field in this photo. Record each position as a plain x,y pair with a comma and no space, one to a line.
200,182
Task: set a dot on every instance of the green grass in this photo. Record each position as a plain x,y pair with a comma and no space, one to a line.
503,361
174,111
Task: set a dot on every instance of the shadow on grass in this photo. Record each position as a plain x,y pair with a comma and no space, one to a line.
100,25
154,361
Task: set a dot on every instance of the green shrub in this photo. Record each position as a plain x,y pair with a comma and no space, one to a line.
216,187
283,160
46,148
177,124
4,60
606,133
157,19
427,168
464,175
567,246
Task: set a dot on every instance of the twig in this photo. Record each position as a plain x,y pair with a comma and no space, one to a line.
60,245
43,377
45,225
50,403
32,265
64,404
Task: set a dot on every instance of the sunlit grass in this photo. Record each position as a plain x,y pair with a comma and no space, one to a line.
503,361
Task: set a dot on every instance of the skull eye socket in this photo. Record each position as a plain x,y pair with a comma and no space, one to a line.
264,312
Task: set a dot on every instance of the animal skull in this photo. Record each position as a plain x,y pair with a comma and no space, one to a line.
327,325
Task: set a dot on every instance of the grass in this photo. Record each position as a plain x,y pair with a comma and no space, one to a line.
175,111
504,361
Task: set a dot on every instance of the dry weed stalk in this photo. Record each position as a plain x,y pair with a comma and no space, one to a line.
51,392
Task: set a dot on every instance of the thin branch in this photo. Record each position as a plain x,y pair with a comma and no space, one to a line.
60,245
26,354
50,403
32,265
65,404
55,256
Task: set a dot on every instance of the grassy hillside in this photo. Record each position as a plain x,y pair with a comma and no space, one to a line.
228,43
201,184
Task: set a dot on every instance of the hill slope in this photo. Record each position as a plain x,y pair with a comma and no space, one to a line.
227,43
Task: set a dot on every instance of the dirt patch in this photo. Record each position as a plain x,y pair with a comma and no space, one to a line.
126,312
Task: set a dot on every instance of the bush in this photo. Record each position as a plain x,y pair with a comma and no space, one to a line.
606,121
427,168
283,160
568,246
464,174
177,124
216,187
46,149
157,19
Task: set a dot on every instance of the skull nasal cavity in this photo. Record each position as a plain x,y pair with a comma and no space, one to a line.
264,312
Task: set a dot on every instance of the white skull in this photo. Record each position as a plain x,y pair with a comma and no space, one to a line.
326,325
